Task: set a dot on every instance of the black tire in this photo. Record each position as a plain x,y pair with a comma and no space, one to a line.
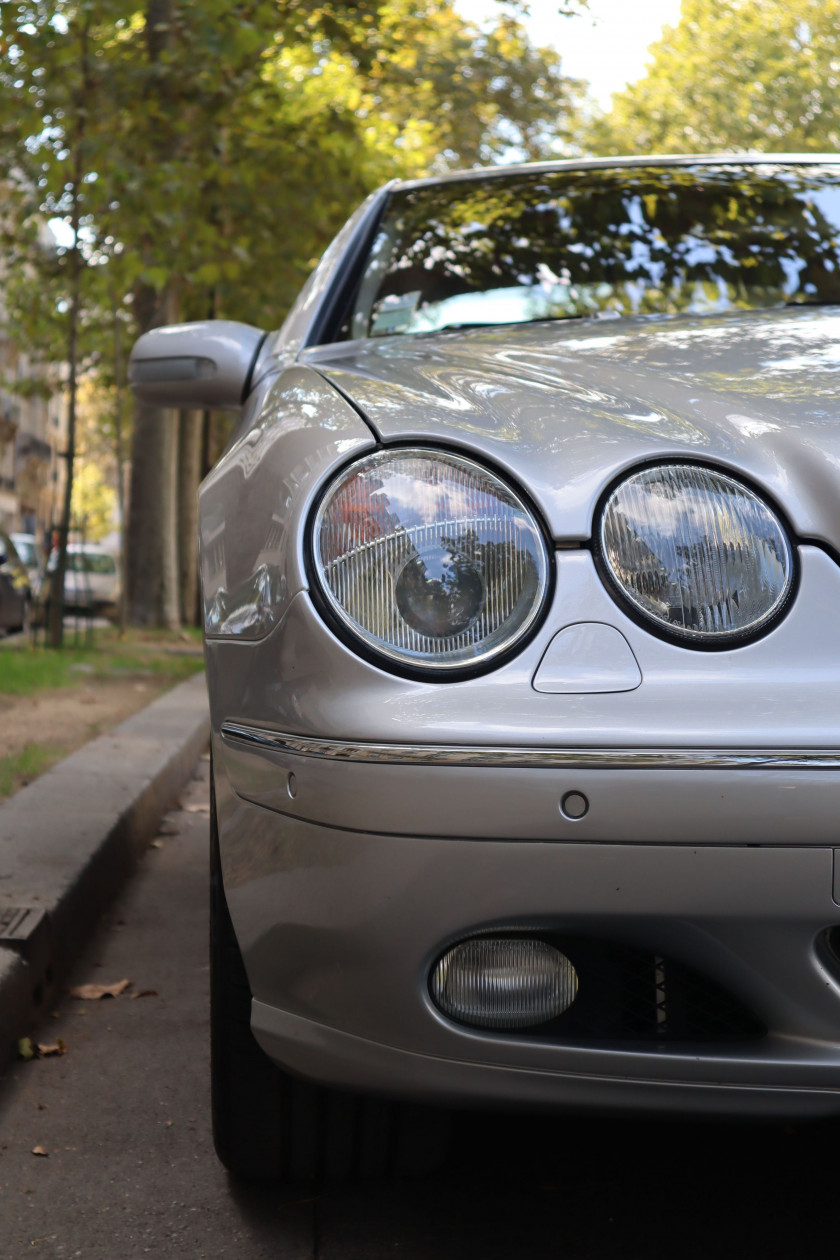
245,1085
271,1126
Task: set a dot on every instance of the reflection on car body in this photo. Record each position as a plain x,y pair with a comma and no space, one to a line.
520,580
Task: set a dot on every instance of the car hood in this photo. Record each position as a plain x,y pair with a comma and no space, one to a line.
565,407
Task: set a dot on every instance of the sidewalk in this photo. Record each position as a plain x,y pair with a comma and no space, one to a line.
69,840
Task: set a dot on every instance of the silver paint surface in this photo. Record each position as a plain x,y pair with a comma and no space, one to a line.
588,657
566,407
253,504
782,691
687,797
202,364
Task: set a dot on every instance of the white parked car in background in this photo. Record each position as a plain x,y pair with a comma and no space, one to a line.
91,580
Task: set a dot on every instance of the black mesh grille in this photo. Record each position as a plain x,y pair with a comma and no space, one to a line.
628,994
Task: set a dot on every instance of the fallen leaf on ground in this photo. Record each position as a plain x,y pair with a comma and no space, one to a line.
156,844
91,992
45,1052
39,1150
197,809
145,993
27,1049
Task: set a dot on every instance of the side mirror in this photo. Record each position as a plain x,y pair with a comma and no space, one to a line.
206,364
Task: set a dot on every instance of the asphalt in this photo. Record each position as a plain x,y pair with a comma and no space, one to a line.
71,838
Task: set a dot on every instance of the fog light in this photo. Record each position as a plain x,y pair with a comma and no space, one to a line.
504,982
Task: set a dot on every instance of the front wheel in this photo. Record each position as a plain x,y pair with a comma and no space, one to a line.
269,1125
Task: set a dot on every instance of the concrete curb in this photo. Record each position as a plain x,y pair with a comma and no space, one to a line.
70,839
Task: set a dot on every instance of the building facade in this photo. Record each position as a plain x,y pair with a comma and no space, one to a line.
32,437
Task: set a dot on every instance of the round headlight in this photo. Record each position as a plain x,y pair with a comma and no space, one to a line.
696,552
431,560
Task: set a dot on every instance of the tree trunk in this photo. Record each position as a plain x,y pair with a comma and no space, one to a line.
152,520
152,568
119,451
152,514
56,604
190,432
55,629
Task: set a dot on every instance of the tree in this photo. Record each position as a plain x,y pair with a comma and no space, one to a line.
222,146
734,75
48,152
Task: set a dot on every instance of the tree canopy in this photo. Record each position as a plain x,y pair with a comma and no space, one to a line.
734,75
201,156
223,144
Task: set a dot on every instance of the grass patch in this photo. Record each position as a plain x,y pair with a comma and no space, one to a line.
21,767
166,655
54,701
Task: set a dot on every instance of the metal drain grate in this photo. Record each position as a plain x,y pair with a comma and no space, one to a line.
18,924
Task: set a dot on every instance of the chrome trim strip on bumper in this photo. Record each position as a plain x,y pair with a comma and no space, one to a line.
536,758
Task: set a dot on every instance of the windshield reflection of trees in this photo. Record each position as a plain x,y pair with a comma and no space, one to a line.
641,241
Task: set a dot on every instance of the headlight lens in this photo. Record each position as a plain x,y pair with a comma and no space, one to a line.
696,552
430,559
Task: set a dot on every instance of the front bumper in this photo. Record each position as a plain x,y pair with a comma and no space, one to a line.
645,795
368,822
339,929
329,1055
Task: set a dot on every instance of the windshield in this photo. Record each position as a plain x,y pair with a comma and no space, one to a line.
610,242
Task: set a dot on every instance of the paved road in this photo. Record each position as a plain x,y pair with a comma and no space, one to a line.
130,1170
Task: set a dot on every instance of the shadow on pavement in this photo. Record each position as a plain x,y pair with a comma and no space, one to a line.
582,1190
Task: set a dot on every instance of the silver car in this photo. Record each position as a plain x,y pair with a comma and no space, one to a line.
522,591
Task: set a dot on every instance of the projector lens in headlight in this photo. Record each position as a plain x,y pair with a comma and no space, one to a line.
429,559
696,553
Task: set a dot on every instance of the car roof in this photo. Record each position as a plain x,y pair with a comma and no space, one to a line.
594,164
